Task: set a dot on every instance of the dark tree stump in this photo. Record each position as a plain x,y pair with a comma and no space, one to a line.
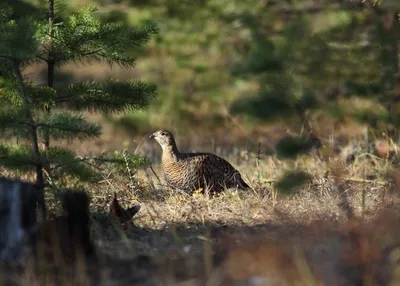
66,239
17,216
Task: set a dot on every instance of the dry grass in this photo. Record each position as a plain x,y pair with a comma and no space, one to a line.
262,236
338,229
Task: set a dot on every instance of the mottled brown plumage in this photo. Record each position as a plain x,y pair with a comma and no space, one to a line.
193,171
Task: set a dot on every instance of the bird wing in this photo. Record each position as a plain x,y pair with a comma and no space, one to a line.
212,166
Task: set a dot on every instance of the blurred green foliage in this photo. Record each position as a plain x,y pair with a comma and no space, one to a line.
261,59
291,181
291,146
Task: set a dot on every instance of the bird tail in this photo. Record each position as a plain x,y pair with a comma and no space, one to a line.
133,210
243,185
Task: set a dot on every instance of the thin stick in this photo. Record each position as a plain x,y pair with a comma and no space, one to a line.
155,174
358,180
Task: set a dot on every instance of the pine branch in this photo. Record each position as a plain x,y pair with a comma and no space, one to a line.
118,161
5,13
17,158
9,91
17,40
67,126
40,96
63,163
3,57
13,124
6,71
21,158
109,96
82,37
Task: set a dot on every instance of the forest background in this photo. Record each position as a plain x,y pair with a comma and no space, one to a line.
249,72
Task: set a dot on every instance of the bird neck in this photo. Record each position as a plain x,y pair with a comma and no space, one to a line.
170,152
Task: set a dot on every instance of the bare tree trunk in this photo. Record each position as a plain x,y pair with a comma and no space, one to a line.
34,138
50,65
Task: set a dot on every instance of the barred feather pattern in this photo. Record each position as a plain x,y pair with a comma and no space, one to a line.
193,171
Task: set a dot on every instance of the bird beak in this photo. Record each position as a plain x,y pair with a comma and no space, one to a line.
152,136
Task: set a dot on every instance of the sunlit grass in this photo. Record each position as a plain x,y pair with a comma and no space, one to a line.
260,235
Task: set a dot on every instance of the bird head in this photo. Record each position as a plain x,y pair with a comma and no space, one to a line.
164,138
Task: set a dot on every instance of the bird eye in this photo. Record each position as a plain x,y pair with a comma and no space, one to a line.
163,133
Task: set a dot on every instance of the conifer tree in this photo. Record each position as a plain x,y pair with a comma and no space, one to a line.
42,114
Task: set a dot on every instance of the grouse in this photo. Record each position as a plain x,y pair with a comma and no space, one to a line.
195,171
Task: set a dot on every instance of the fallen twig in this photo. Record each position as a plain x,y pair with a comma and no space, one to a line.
359,180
